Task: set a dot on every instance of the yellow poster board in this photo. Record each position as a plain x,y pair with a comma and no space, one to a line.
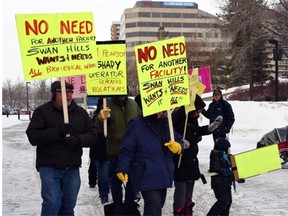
256,162
109,77
163,75
56,45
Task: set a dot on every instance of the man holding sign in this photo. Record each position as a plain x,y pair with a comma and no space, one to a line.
59,149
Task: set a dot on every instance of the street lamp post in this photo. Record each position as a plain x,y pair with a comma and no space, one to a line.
276,57
28,100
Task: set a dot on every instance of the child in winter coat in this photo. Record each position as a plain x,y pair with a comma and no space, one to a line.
221,183
187,166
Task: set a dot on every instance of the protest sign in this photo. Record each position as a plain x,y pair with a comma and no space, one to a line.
79,83
205,78
109,77
163,75
255,162
56,45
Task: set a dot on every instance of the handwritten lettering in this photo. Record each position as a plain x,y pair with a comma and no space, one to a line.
109,64
157,74
45,50
152,85
106,74
150,99
173,49
76,27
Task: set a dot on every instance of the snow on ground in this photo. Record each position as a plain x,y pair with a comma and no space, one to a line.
264,195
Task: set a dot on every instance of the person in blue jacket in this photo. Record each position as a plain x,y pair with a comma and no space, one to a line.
147,156
220,107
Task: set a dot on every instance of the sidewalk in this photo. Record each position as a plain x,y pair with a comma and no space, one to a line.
21,182
264,195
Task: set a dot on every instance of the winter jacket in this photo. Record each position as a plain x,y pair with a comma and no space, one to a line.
223,108
121,114
52,149
189,165
143,154
220,163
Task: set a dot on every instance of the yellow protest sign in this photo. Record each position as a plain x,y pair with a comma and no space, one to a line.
56,45
196,87
163,75
109,77
255,162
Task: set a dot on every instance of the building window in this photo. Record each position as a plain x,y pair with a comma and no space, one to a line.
156,14
144,14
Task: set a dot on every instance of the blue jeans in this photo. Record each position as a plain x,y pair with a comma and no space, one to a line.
103,177
116,184
154,201
59,190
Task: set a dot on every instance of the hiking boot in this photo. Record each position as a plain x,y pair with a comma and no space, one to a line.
189,208
179,211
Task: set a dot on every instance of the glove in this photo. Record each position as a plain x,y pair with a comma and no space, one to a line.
73,142
174,147
215,124
104,114
227,129
65,129
122,176
186,144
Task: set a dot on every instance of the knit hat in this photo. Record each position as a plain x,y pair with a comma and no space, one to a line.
57,85
199,103
217,91
222,144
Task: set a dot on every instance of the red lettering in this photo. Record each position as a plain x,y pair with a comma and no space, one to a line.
76,27
41,28
149,52
173,49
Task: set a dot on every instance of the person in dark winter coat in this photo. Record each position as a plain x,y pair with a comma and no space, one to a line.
147,157
221,183
217,107
59,149
92,171
187,169
119,111
101,162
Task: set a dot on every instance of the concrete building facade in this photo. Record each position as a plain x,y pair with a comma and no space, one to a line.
139,25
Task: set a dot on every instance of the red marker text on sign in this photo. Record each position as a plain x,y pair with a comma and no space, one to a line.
149,53
41,27
173,49
76,27
66,27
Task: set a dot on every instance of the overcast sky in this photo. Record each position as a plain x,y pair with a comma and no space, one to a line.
104,12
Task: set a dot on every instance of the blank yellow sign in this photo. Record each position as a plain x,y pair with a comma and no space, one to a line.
255,162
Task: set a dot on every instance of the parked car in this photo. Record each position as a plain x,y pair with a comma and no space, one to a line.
277,136
14,111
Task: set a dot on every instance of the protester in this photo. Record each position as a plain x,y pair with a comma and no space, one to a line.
217,107
147,151
100,160
188,170
92,171
119,111
221,183
59,149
